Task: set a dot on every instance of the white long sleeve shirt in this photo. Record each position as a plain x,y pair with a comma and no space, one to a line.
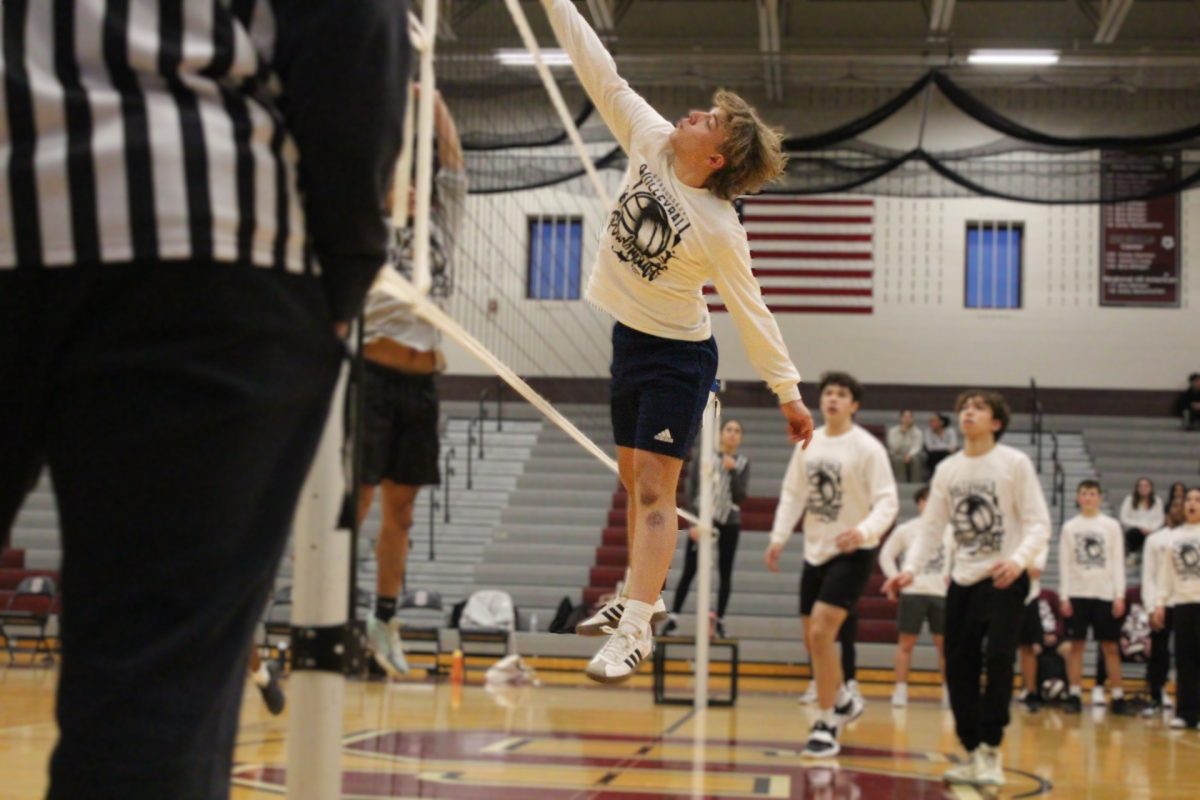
1091,557
665,240
839,483
1153,553
1035,584
1179,573
997,509
932,579
1148,519
902,443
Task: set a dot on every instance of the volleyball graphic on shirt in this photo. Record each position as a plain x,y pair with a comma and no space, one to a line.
937,562
1089,551
1186,557
647,225
976,517
825,497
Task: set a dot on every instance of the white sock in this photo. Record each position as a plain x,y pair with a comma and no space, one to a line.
262,677
829,717
1118,694
637,617
1076,691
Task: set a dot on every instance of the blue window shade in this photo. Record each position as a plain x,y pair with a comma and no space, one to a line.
993,265
555,253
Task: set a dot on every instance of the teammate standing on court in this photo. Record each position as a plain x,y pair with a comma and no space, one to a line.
1092,585
844,488
923,601
674,228
991,495
189,208
402,354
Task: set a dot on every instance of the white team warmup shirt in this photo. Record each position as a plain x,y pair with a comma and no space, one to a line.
932,579
843,483
1153,553
1091,556
665,240
995,505
1179,573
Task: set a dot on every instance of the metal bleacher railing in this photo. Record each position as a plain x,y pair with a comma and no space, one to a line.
1037,432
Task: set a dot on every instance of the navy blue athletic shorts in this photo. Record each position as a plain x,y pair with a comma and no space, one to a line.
659,390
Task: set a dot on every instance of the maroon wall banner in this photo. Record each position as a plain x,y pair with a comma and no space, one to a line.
1139,241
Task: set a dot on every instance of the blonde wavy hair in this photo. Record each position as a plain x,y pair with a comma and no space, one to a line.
753,150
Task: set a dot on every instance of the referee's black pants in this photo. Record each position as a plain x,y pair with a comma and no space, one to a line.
177,406
983,626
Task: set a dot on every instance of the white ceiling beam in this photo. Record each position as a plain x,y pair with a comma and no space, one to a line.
770,44
1112,17
941,16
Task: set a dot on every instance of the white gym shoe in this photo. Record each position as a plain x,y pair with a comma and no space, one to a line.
810,695
900,696
620,657
990,769
851,710
822,741
1098,696
608,617
1179,724
855,690
967,771
384,640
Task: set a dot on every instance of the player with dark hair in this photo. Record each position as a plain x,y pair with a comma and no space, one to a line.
1179,589
991,495
844,488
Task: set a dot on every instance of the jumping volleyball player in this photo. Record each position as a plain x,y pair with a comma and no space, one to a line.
674,229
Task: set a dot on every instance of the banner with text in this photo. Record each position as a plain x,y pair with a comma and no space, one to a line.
1139,240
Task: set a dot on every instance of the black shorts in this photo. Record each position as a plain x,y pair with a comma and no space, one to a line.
839,582
1088,612
1032,631
659,390
400,428
917,609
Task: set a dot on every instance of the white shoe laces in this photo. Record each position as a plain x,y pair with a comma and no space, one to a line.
619,645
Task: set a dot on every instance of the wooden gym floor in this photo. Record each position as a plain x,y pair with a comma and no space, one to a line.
571,740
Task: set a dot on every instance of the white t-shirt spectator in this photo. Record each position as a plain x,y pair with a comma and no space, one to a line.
1148,519
944,442
902,443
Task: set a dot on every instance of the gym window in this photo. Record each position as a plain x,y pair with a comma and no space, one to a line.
994,264
555,252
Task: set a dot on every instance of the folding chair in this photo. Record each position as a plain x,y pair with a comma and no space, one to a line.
29,608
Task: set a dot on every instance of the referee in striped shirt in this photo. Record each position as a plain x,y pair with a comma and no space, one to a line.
190,204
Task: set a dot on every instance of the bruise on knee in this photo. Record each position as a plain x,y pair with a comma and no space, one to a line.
656,520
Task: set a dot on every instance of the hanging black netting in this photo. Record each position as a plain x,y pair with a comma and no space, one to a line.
515,140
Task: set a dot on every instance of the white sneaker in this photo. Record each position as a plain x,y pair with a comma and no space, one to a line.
620,657
851,710
608,617
968,771
855,690
1179,724
900,695
1098,696
990,770
822,741
384,640
810,695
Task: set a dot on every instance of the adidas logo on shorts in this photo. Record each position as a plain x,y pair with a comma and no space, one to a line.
664,436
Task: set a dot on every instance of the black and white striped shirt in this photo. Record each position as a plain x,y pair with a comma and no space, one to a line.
244,131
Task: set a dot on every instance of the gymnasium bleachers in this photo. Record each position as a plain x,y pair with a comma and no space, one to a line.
543,521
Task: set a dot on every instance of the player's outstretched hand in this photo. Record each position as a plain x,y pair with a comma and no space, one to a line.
771,557
799,420
894,584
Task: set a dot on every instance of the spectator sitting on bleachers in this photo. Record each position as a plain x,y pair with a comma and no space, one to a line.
904,443
1187,404
1176,493
941,441
1141,514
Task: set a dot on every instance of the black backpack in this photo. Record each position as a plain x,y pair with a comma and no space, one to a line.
561,616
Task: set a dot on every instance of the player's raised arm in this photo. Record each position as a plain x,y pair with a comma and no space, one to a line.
624,111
